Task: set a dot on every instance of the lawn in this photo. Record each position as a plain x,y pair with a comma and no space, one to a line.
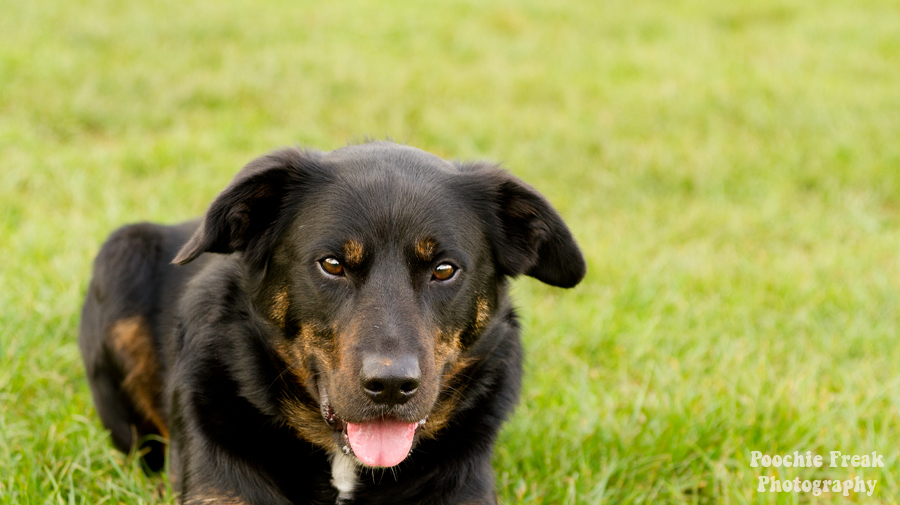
730,169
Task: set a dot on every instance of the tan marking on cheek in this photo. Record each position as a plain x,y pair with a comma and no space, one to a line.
482,314
308,423
317,341
447,347
453,385
446,355
353,252
425,249
295,359
303,417
307,333
312,344
280,304
132,343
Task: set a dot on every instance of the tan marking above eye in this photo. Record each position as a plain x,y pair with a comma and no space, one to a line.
425,249
280,307
353,252
444,272
332,266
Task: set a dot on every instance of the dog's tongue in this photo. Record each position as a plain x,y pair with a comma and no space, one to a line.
381,442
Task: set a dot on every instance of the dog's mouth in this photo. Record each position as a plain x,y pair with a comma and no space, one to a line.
378,442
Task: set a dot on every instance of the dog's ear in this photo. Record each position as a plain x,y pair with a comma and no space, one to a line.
528,234
246,216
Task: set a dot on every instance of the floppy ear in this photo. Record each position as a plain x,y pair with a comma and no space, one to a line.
246,215
528,234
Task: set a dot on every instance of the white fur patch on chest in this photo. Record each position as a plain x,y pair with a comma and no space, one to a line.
343,475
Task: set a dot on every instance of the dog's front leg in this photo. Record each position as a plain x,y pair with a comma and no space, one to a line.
202,472
210,478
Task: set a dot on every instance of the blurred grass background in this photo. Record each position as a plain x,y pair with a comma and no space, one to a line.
731,170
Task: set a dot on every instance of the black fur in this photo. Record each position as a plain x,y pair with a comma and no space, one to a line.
250,358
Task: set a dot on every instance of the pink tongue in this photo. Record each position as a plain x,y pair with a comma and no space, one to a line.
381,442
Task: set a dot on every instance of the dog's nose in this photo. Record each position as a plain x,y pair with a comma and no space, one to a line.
391,380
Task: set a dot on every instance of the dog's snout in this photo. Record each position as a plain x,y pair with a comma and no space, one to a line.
390,380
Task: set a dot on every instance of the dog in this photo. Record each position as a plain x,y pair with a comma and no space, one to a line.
335,329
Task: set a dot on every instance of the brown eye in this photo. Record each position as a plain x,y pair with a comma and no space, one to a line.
332,266
443,272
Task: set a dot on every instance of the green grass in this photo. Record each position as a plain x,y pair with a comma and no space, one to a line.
731,170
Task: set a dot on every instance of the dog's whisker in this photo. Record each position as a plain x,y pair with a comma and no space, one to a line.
276,379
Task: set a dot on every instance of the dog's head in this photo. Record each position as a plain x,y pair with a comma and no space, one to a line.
380,266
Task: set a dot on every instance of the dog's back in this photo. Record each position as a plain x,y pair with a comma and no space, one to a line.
127,310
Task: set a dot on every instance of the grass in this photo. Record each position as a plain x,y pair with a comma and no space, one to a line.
731,170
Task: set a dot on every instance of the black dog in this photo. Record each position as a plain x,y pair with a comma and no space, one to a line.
354,318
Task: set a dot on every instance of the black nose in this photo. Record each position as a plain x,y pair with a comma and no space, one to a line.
391,380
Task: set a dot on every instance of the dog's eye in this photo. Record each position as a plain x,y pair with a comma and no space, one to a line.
443,272
332,266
